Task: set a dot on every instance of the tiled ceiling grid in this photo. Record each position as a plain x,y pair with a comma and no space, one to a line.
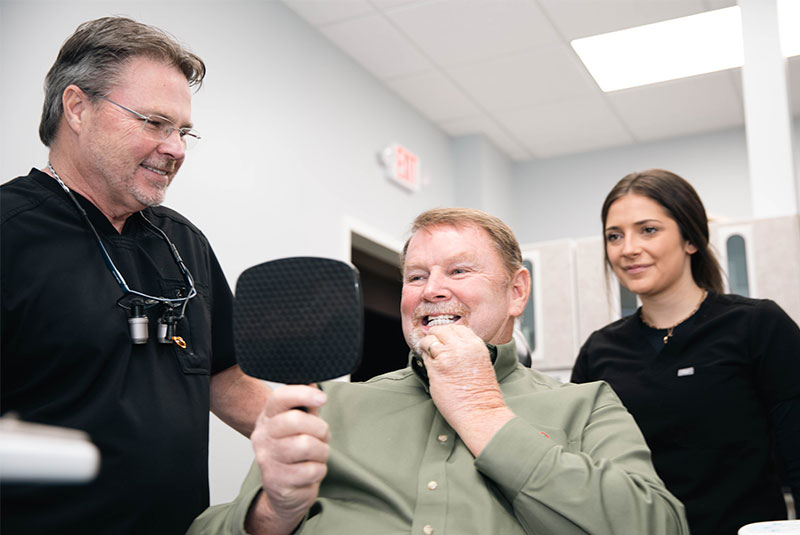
504,68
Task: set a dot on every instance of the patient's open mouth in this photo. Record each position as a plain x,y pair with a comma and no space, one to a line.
443,319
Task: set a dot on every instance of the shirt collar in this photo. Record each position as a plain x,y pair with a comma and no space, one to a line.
98,219
504,358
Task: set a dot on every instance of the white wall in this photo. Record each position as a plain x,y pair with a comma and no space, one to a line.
484,177
290,128
715,164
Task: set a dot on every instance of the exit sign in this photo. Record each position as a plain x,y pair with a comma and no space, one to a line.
401,166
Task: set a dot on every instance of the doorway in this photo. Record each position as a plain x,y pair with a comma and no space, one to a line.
385,348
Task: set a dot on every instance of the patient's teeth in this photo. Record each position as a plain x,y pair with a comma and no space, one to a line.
441,320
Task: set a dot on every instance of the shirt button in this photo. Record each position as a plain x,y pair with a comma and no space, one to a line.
428,529
442,438
432,485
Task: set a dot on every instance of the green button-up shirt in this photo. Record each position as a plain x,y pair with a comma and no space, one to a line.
572,461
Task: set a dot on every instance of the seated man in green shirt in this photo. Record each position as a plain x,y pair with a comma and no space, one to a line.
465,440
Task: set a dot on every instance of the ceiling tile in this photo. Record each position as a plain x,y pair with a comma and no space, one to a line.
460,31
582,18
480,124
435,96
383,5
545,75
689,105
568,126
319,12
735,77
377,46
719,4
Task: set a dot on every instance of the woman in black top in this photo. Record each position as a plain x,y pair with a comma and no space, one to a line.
712,380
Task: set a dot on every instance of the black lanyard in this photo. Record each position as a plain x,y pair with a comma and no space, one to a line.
140,300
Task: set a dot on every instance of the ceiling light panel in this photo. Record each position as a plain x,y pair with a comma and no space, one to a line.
698,44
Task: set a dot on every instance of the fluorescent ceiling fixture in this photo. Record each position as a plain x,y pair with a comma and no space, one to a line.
687,46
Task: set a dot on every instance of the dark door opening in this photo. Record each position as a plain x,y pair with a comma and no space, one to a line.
385,348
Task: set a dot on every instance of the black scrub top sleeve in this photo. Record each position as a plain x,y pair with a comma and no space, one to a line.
775,343
580,372
776,339
222,344
785,419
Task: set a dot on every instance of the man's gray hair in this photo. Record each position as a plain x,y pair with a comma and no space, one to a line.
501,235
93,57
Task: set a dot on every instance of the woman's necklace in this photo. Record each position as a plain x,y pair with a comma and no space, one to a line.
672,327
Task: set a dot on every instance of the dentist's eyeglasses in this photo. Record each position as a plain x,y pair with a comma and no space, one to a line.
158,128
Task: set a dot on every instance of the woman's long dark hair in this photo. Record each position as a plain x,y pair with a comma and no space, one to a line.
683,205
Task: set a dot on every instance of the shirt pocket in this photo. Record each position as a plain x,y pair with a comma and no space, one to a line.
194,329
706,403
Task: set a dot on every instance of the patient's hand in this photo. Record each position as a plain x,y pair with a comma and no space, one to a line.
464,385
291,449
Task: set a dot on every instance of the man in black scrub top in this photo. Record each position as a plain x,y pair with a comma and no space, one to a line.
116,315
